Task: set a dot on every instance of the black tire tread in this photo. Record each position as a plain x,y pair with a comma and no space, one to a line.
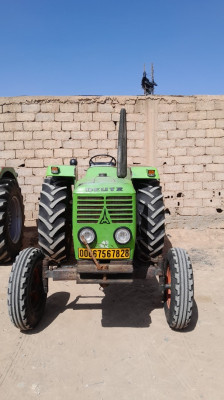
182,289
18,288
9,249
150,222
54,221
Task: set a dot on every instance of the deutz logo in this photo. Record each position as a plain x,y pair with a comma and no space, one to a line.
104,219
105,189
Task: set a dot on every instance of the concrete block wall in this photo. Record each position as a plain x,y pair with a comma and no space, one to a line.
182,136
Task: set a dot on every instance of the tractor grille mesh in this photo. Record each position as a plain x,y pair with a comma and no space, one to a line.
89,209
119,208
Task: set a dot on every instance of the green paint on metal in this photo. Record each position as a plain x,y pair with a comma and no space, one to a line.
64,170
142,173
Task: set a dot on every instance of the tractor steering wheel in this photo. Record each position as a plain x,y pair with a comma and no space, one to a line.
111,162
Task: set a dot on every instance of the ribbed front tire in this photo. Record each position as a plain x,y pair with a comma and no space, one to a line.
26,296
179,292
55,219
150,222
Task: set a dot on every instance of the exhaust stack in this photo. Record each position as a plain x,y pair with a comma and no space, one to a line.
122,146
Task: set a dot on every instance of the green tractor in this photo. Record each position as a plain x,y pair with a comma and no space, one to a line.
11,215
115,215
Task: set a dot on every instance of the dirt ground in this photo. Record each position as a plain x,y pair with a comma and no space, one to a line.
117,344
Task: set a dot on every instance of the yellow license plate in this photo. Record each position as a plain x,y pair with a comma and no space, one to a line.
105,254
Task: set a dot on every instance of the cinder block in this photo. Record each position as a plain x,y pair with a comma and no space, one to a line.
218,159
197,115
33,180
33,144
184,160
188,186
178,116
50,107
33,108
192,202
1,127
51,126
43,153
104,117
177,134
212,203
41,135
166,107
206,124
81,135
215,114
13,145
135,117
195,151
89,144
25,117
101,135
24,153
138,143
70,126
92,126
173,169
219,176
194,168
62,153
61,135
188,211
83,117
139,126
184,177
214,150
45,117
203,159
34,163
203,194
186,107
205,105
174,186
69,107
52,144
163,117
63,117
184,125
107,126
31,126
39,172
215,167
13,126
220,123
177,151
219,141
166,144
202,176
12,108
196,133
7,135
8,117
88,107
204,142
72,144
188,142
52,161
167,125
105,108
108,144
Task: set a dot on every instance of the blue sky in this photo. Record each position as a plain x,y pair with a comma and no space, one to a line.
99,47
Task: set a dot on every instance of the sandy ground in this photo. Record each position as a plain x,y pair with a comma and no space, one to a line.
117,344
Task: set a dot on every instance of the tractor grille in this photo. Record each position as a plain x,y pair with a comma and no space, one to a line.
120,209
89,209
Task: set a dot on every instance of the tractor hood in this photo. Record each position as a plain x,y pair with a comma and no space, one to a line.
104,179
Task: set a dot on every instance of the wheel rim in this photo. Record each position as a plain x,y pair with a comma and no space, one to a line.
168,282
35,289
15,219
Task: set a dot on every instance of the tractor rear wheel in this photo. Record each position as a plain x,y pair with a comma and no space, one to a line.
11,219
26,296
179,288
55,219
150,222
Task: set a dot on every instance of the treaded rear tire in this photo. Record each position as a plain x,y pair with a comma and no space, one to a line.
150,222
11,219
26,296
55,219
178,301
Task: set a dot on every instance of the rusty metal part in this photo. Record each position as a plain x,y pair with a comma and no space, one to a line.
64,273
99,266
112,267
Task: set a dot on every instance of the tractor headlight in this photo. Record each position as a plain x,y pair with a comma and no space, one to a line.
122,235
88,233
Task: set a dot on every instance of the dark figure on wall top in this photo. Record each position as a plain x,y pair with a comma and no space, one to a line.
147,85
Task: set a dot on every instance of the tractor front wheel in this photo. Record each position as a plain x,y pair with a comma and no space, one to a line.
26,295
179,288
